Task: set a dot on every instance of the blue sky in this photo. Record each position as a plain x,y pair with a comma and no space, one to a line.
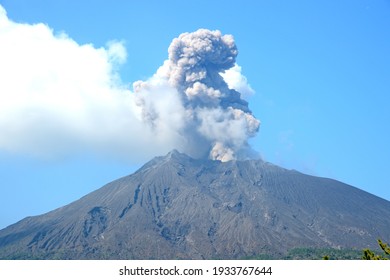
320,71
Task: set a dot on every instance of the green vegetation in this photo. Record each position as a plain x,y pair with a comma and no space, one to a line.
339,254
312,254
370,255
323,253
293,254
260,257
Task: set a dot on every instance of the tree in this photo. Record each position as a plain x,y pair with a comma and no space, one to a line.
370,255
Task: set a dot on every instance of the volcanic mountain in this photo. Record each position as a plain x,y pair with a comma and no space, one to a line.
177,207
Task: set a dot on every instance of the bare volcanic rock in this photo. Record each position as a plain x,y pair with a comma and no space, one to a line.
177,207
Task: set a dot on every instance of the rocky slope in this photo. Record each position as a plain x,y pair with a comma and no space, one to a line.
176,207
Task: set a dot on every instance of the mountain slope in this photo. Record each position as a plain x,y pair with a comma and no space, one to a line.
179,207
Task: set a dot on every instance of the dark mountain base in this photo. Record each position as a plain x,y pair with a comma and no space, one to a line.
314,254
293,254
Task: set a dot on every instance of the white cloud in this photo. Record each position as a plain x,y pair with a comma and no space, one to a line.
116,52
58,97
235,80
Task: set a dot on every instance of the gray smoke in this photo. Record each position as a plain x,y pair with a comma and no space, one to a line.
188,99
59,98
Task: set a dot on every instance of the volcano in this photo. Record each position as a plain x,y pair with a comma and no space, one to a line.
178,207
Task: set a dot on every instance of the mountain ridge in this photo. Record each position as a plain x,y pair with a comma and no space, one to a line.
175,206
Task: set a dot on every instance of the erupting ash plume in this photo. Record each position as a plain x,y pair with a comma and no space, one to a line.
211,119
59,98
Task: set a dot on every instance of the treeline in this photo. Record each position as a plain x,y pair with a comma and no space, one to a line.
371,255
323,253
383,253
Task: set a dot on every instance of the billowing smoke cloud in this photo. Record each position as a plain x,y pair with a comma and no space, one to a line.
59,98
216,121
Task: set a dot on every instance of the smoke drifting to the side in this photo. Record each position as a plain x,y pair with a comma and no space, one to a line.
213,119
59,98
